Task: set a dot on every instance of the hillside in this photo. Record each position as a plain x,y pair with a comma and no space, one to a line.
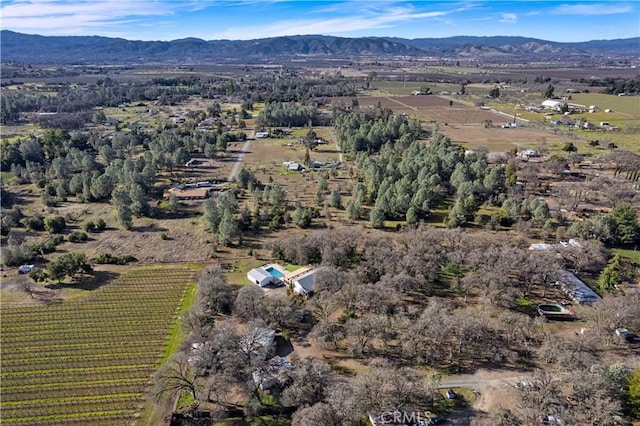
17,47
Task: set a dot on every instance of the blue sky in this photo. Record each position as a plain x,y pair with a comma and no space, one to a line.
561,20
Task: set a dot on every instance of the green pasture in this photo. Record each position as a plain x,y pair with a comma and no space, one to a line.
617,104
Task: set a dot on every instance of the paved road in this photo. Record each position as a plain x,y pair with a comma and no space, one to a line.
238,160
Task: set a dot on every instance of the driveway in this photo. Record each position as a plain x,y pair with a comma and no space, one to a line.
238,160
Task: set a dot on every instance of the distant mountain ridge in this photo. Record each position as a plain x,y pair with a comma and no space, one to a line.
17,47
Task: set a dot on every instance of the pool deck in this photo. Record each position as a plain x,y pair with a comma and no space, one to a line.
287,276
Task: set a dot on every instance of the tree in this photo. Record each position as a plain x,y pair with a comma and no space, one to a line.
494,93
376,217
55,224
361,332
68,264
243,178
310,380
335,199
214,292
177,376
249,303
353,209
626,229
548,94
633,394
227,230
302,216
320,414
122,201
174,204
611,276
276,195
139,204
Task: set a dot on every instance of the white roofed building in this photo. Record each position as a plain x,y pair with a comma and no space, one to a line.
260,276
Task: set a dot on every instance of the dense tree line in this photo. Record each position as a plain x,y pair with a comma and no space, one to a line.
74,103
615,85
288,114
369,130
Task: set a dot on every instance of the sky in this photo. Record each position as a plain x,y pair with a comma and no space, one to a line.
555,20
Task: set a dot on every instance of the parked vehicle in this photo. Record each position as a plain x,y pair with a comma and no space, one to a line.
25,269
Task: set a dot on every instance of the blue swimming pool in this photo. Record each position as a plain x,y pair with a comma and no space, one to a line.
274,272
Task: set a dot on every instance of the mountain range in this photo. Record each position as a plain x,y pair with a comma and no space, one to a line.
36,49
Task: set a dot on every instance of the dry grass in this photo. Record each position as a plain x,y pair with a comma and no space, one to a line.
497,139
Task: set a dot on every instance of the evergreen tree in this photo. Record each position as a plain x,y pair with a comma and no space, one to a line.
548,94
611,276
335,199
227,229
376,218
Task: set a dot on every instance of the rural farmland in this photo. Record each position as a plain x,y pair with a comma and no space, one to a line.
90,360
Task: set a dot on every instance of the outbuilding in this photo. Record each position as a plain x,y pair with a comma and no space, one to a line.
551,104
260,276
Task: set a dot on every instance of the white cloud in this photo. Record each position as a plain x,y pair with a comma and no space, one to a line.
509,18
82,16
365,18
593,9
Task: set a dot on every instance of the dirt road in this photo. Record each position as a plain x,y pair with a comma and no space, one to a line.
238,160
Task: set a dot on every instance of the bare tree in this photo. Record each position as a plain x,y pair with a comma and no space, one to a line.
362,331
177,376
214,292
310,380
322,305
320,414
249,303
326,332
383,388
278,310
610,313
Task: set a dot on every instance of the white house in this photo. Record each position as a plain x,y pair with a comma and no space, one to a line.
260,276
304,283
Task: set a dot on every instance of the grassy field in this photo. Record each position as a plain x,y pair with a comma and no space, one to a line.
629,105
632,255
89,360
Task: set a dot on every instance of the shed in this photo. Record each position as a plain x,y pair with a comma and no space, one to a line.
259,276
